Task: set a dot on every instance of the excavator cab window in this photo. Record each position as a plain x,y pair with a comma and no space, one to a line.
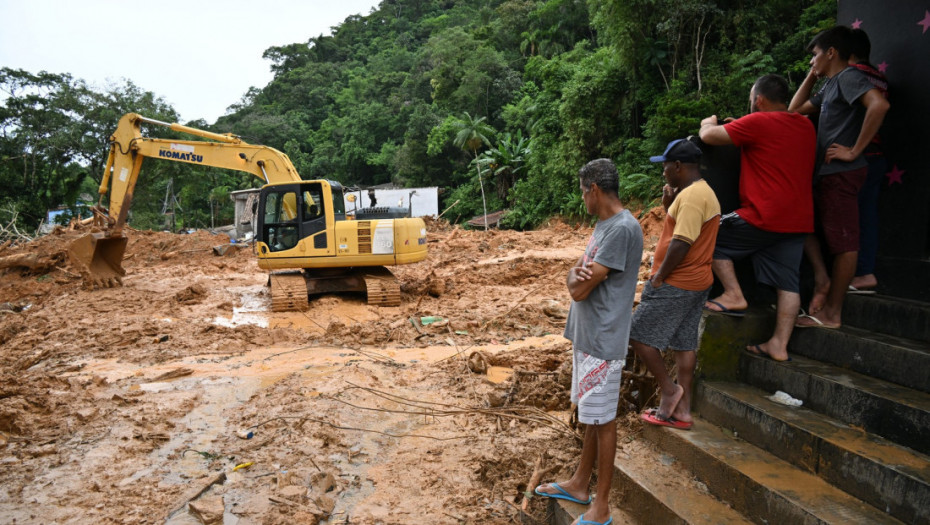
314,213
293,212
339,205
280,229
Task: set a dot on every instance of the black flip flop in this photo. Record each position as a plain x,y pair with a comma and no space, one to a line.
724,310
762,353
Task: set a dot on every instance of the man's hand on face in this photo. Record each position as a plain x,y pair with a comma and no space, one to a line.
668,195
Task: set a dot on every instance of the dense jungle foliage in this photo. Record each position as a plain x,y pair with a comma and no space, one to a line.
501,100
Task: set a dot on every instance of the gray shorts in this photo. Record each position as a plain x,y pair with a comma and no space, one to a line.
668,317
595,387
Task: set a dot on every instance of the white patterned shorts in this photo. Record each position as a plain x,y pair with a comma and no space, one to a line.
595,388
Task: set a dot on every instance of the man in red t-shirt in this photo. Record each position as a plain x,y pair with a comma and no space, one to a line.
778,151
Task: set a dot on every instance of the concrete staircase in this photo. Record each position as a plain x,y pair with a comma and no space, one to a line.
856,451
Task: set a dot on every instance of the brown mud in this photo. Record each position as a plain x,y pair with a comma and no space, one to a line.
180,397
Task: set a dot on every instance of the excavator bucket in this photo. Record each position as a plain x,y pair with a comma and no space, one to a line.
99,258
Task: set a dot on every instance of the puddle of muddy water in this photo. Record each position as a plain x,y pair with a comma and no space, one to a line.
499,374
252,310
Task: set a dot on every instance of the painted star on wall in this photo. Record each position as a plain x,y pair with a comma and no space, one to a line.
894,176
883,67
925,22
857,24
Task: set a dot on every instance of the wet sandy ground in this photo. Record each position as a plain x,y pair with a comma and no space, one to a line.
179,398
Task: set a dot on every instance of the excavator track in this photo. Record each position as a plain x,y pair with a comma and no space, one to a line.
288,292
382,290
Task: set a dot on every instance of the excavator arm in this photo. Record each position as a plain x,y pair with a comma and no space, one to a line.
129,148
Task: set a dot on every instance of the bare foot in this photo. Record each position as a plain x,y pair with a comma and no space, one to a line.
723,304
766,350
864,282
809,321
548,488
682,413
820,297
670,403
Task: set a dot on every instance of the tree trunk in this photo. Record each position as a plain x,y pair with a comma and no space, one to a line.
484,203
32,261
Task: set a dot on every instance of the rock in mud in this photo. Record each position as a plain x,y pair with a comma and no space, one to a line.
555,310
325,503
193,294
477,363
294,493
208,509
437,287
322,482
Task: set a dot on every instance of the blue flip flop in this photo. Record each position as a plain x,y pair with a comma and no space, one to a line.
561,495
583,521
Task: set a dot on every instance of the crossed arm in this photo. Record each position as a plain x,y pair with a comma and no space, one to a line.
583,278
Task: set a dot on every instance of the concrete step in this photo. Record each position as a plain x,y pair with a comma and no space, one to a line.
649,486
886,475
896,413
764,488
894,359
888,315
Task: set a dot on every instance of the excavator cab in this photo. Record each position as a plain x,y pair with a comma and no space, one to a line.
291,212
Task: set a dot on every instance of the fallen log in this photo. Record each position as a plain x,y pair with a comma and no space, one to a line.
32,261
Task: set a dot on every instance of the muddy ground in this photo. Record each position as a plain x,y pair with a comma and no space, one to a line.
180,398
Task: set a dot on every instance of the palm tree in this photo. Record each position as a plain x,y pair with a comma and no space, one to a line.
474,133
506,161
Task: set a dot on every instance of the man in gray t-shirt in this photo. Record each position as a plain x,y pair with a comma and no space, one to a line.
602,285
596,325
841,118
851,111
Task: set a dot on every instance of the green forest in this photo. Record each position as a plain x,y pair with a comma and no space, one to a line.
496,99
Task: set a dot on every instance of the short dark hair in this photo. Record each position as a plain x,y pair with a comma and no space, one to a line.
774,88
602,172
837,37
859,44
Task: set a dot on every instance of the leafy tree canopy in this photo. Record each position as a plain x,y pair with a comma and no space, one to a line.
559,82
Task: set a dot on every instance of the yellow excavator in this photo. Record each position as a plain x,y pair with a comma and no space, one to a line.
303,231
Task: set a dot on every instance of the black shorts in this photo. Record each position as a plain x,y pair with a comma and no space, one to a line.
776,256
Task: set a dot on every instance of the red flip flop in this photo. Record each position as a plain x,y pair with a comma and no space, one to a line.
653,418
